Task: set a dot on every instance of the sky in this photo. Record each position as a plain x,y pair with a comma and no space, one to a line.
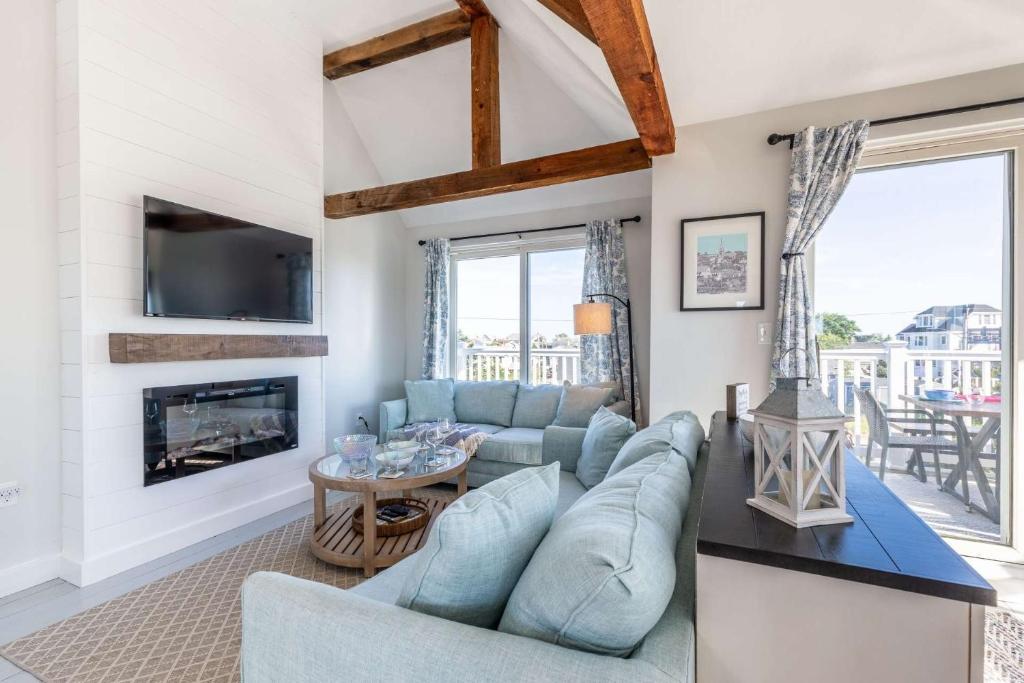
488,293
905,238
710,244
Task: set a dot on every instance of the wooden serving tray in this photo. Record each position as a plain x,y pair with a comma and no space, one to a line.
387,529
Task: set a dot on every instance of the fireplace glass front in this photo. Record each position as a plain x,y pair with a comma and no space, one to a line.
194,428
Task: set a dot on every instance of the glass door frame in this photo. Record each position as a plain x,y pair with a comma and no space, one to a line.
523,248
936,148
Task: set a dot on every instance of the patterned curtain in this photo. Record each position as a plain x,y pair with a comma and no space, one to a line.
823,162
437,258
606,357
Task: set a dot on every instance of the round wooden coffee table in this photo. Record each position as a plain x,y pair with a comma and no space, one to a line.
334,538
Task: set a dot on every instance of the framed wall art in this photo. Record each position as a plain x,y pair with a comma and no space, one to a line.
722,263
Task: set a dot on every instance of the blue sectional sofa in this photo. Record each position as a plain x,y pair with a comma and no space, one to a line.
306,632
523,422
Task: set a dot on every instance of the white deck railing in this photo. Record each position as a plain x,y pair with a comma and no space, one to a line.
896,369
547,366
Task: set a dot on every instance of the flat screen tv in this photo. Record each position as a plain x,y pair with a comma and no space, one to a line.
202,265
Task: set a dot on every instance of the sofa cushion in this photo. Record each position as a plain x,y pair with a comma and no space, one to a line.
486,402
578,404
478,547
536,405
602,577
430,399
616,391
680,430
516,444
606,434
569,491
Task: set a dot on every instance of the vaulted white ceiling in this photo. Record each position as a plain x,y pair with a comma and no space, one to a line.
719,59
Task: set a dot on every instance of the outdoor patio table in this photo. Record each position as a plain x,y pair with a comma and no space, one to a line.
991,414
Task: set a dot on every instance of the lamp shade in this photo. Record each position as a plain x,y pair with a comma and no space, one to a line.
592,318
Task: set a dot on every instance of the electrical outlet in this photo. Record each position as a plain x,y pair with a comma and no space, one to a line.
9,493
764,333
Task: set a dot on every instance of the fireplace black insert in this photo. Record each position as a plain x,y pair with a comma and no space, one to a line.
194,428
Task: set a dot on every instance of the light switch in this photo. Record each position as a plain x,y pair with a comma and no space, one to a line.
764,333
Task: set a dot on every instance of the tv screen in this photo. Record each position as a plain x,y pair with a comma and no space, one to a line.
202,265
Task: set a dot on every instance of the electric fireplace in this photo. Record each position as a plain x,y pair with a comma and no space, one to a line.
193,428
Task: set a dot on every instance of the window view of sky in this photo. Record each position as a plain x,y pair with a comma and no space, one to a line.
906,238
488,294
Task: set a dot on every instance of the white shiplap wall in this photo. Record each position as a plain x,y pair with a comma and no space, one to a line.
215,104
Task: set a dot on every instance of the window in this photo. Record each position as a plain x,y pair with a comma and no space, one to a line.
512,307
919,228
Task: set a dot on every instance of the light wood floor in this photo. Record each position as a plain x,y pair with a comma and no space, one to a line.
40,606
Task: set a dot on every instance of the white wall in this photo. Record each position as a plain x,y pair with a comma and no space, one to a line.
638,259
364,284
726,167
214,104
29,346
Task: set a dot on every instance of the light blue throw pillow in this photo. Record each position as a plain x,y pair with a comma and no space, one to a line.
536,405
578,404
680,430
429,399
606,434
486,402
478,547
604,574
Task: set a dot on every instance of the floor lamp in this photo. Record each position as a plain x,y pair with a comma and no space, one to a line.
596,318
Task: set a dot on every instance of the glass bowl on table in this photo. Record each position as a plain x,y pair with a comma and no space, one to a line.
397,456
354,450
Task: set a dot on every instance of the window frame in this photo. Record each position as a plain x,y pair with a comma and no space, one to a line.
490,249
944,146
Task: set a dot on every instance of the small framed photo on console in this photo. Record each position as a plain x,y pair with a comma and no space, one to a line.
722,264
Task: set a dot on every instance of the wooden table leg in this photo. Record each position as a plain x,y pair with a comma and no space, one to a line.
319,506
463,482
369,532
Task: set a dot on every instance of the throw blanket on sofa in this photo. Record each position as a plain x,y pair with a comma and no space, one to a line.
464,437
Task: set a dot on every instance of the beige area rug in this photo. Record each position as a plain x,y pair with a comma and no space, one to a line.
184,627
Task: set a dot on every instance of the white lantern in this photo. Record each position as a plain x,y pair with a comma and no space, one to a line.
799,456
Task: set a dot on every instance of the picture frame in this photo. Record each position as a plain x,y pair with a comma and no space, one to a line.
722,263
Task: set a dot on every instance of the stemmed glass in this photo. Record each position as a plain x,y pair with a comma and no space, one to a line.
444,429
433,438
190,407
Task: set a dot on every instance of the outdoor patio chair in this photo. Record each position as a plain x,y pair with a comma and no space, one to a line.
919,431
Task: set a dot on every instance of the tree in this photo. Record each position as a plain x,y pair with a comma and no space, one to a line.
837,331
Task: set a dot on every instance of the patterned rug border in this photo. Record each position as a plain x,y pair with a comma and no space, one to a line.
185,626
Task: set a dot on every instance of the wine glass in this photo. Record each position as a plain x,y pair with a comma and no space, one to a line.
433,438
190,407
445,428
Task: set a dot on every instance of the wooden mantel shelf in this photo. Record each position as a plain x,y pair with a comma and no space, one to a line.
127,347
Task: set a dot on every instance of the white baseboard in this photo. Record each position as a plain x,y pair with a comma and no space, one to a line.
28,574
104,566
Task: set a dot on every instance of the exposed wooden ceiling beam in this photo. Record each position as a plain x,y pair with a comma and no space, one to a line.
625,38
407,41
566,167
486,112
571,13
474,8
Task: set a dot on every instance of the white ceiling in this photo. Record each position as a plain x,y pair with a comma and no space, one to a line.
718,59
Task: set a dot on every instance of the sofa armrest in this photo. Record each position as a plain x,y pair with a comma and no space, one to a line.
392,416
301,631
564,445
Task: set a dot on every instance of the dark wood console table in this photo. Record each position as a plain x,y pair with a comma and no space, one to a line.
881,598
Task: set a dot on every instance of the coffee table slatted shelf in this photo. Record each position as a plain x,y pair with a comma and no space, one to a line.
338,543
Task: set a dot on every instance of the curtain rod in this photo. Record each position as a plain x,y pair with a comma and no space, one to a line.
634,219
776,138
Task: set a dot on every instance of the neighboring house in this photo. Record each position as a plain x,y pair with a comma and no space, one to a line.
965,327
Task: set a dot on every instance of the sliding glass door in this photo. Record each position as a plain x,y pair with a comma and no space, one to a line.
915,294
512,308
